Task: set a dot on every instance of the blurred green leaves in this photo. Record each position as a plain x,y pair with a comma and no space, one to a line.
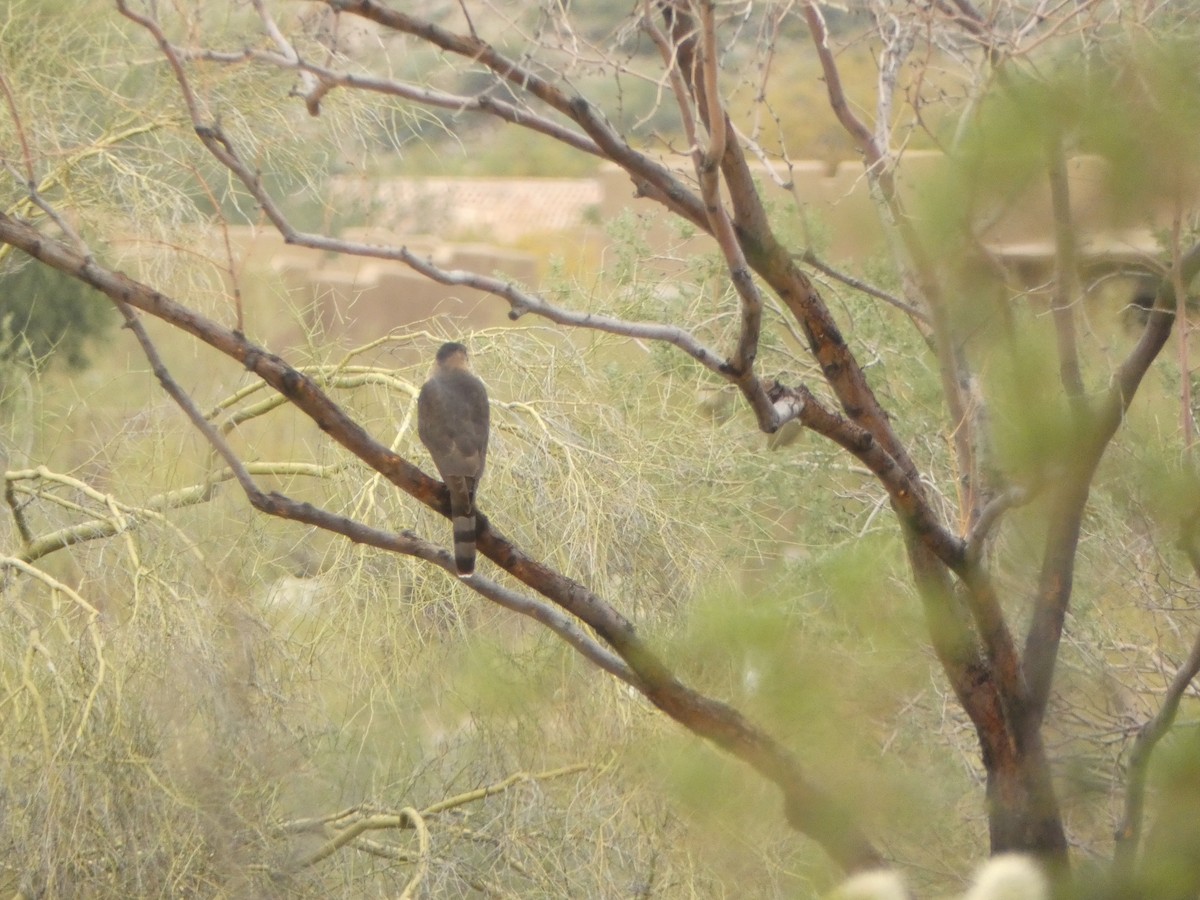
1032,426
1142,117
45,314
1134,107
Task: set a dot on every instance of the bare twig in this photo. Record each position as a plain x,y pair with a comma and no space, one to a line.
811,259
863,137
327,79
288,52
92,627
347,827
18,511
1129,830
18,123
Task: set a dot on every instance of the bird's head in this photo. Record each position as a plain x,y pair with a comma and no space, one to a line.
452,355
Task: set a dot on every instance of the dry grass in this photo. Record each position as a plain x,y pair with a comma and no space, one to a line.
190,685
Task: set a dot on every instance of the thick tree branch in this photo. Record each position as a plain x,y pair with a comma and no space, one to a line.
775,265
952,634
918,272
869,434
915,514
996,702
279,505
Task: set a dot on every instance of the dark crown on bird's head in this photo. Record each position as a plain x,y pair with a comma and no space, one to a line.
448,351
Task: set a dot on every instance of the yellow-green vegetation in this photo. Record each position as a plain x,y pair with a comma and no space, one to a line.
180,693
204,679
176,697
197,699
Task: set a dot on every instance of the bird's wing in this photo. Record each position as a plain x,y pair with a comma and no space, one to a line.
452,422
472,437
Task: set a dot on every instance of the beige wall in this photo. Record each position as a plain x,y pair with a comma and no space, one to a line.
356,299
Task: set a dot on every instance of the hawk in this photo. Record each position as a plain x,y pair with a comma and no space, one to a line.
452,422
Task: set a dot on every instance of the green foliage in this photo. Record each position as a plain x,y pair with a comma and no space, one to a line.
44,314
1171,868
1134,108
1033,430
1141,115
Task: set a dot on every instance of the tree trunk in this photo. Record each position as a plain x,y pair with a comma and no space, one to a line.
1023,810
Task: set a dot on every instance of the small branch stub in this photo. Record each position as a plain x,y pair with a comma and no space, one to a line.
787,403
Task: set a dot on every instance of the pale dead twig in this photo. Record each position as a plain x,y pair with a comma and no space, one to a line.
347,827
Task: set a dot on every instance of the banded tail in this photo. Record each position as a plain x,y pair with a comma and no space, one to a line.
462,512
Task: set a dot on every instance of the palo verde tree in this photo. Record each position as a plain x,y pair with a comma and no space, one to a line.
1031,397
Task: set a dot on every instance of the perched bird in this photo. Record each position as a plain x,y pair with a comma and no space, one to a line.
452,421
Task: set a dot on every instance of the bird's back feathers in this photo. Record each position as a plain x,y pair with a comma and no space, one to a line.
452,421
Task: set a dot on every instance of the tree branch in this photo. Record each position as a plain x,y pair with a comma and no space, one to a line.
346,827
707,159
125,519
811,259
326,79
1066,514
279,505
521,302
651,177
1066,276
917,271
1129,831
907,500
